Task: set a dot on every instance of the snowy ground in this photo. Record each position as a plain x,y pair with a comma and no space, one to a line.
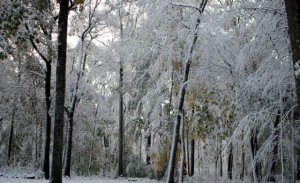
106,180
79,180
21,175
111,180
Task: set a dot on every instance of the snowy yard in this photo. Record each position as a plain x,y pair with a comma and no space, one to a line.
79,180
19,174
18,177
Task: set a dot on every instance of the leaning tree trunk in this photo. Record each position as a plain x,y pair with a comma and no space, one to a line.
70,114
293,17
182,159
48,61
56,173
187,149
172,158
74,99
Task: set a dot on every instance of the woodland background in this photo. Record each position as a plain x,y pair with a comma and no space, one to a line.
154,88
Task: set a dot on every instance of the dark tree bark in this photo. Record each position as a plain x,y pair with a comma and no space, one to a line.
148,148
187,150
243,166
230,162
293,17
121,126
221,161
11,134
56,169
216,167
182,158
192,163
69,143
46,165
149,140
271,178
121,103
254,149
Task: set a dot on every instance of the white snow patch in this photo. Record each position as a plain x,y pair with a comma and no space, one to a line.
79,180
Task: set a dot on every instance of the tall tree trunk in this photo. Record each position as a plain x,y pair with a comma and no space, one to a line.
148,160
221,163
56,169
71,112
48,61
46,164
11,133
65,146
172,158
243,165
69,144
192,163
254,148
36,145
121,125
230,162
271,178
121,103
182,159
293,17
187,149
13,113
216,168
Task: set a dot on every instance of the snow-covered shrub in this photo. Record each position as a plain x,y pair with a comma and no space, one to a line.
135,168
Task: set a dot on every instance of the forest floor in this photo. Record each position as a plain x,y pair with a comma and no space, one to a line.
107,180
19,175
26,175
79,180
